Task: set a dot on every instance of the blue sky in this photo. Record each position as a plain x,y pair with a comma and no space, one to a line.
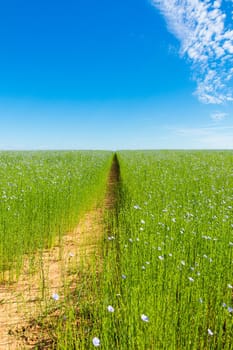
116,74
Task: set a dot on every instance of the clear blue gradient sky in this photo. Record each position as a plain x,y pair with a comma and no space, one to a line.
116,74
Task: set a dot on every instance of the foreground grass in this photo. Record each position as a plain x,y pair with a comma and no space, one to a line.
162,277
167,278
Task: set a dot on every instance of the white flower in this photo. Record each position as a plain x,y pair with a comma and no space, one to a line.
55,296
111,238
143,222
71,255
161,257
123,277
230,286
96,341
191,279
230,309
210,332
110,308
144,318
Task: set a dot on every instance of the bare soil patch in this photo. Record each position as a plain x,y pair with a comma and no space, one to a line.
30,295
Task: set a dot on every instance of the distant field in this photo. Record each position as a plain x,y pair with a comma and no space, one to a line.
166,277
42,195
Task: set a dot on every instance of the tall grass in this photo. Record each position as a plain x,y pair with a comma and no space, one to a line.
43,195
167,276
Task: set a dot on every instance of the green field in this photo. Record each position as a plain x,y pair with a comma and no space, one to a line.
43,194
166,278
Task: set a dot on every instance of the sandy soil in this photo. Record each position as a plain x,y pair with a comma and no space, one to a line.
25,299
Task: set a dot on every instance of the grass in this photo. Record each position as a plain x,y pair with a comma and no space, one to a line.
165,280
43,195
167,266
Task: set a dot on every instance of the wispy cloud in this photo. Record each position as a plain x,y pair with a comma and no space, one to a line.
218,116
205,32
207,137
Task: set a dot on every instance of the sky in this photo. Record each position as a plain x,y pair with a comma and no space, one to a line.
116,74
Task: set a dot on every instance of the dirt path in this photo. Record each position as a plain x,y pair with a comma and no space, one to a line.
113,182
53,271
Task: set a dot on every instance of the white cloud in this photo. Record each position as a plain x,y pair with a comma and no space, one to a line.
218,116
209,137
206,41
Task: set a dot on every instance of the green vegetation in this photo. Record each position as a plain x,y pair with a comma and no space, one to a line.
167,265
43,195
165,280
175,241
